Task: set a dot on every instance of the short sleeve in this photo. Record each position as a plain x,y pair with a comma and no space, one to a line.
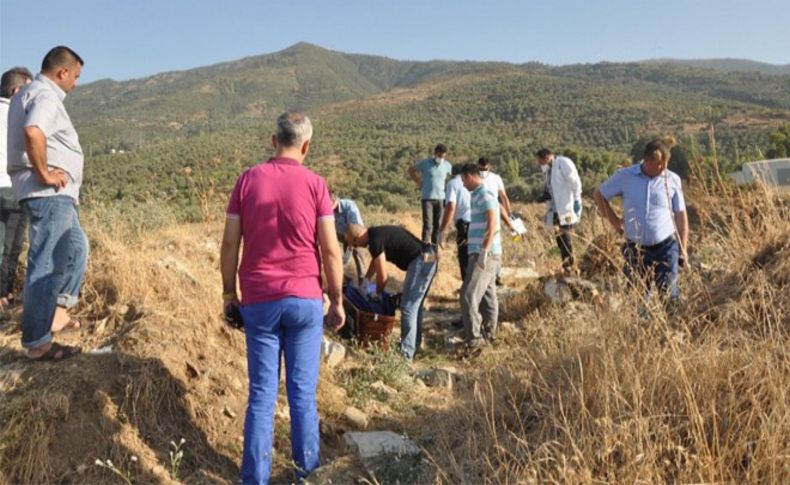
500,185
354,216
234,204
678,201
323,203
375,244
42,112
489,202
451,193
613,187
420,165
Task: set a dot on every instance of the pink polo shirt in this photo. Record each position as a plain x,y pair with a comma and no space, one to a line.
279,204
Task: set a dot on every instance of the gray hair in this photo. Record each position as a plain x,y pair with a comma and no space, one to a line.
293,129
13,79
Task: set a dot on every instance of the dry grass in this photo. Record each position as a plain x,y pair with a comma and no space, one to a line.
587,392
598,394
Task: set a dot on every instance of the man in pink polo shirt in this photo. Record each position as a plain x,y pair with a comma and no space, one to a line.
283,213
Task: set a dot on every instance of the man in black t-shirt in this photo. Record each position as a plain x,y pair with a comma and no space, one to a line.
418,260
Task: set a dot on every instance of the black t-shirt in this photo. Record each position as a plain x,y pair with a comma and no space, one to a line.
398,245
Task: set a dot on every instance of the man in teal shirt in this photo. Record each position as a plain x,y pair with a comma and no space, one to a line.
430,176
479,304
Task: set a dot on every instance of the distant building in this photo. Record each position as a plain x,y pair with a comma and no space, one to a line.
774,173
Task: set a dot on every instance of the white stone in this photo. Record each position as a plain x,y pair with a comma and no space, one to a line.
176,266
332,353
557,291
229,412
453,339
437,376
384,389
356,417
419,384
520,273
371,445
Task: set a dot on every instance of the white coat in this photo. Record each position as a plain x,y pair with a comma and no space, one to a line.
566,187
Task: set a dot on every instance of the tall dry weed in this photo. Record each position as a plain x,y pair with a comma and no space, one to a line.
610,394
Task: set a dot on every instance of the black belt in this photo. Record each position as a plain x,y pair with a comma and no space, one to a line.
643,247
461,222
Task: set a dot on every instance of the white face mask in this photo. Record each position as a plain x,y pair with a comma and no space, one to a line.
439,160
544,168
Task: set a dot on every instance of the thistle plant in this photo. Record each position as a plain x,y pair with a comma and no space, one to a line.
176,455
126,476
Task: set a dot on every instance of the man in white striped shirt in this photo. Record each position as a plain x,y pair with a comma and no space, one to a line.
479,305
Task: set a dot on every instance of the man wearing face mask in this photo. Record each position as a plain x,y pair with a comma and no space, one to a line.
430,176
563,197
654,219
494,184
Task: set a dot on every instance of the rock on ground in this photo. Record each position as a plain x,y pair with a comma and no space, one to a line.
356,417
340,471
437,376
332,353
520,273
386,456
384,389
372,444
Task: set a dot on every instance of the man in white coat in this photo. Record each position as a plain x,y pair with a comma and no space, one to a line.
563,197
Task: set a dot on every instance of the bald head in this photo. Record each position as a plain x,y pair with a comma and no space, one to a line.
356,235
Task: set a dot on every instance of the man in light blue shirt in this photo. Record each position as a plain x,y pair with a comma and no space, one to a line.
347,212
479,305
45,163
457,208
430,176
654,219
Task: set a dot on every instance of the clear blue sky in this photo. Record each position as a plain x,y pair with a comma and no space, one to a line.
123,39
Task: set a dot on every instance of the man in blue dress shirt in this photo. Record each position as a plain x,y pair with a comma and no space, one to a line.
430,176
347,212
654,219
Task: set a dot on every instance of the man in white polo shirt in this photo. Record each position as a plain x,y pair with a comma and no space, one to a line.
494,184
12,219
45,162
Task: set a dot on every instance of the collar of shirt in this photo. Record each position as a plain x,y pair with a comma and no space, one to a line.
49,82
283,161
636,169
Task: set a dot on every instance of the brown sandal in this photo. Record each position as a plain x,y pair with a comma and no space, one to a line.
57,352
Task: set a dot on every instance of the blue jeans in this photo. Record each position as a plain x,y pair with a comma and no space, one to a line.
662,259
56,264
293,327
419,277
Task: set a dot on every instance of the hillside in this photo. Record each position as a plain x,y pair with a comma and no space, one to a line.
728,65
186,135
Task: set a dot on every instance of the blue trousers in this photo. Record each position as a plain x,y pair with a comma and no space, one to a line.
662,259
56,264
291,327
419,277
